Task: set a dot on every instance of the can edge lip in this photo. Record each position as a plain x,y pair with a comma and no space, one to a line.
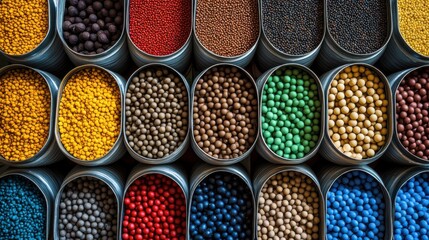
171,55
197,149
320,89
60,32
225,58
101,160
85,172
395,128
389,33
387,89
51,133
316,48
51,14
27,174
176,153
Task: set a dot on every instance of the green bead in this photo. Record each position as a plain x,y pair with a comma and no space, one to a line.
279,152
278,134
300,155
294,148
285,97
307,129
277,97
287,78
287,85
299,114
276,79
300,148
315,138
317,115
310,103
292,116
316,128
270,103
306,84
274,147
312,144
300,82
305,77
307,122
270,96
310,115
288,123
307,137
266,134
288,110
280,85
286,156
264,109
283,117
273,123
296,139
289,143
307,149
265,125
301,103
300,89
293,87
282,145
282,105
300,96
274,109
280,123
295,131
300,124
317,103
277,141
287,150
270,115
313,87
285,130
289,103
270,140
305,143
289,136
292,94
295,102
311,94
293,81
271,129
307,111
292,156
296,71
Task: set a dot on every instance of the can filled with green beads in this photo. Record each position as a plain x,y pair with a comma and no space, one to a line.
291,122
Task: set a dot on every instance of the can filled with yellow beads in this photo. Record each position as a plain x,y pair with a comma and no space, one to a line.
359,121
88,116
28,36
409,46
27,105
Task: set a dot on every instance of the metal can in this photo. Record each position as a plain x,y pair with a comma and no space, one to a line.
202,171
118,149
397,152
266,172
180,59
261,145
47,182
180,150
198,151
399,55
49,54
115,58
172,171
50,151
205,58
268,56
330,174
327,148
113,177
332,54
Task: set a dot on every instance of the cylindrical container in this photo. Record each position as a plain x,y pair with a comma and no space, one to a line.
269,56
47,182
205,57
203,171
329,175
115,58
111,177
180,59
48,55
173,172
395,180
181,149
265,173
332,54
50,151
397,152
399,55
261,146
327,149
194,144
118,149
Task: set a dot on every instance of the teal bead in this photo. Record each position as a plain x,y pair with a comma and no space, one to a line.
293,87
270,129
292,94
265,125
264,98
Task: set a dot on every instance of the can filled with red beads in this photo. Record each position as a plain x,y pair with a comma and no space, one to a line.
410,109
155,203
160,32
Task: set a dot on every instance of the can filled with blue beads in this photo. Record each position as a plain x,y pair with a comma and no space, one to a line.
409,188
26,198
358,205
221,203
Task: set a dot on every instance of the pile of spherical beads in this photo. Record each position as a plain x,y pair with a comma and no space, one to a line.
89,118
411,217
355,208
291,113
288,208
155,208
221,208
23,209
357,112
